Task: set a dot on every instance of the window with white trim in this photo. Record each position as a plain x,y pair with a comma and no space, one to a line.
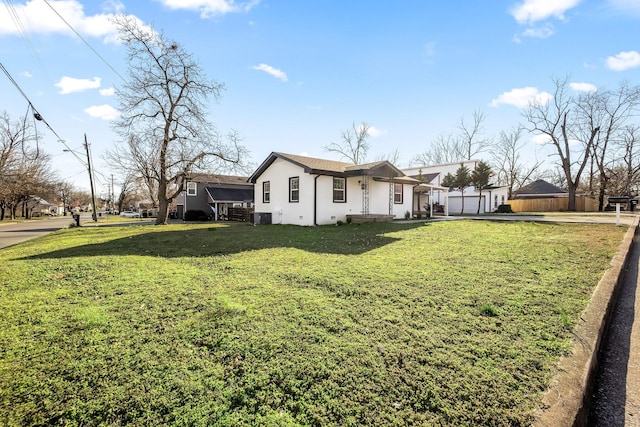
339,190
294,189
397,193
266,192
192,188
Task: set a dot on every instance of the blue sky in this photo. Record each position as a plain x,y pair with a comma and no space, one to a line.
297,73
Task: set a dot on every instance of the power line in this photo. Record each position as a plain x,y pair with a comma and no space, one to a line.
85,42
36,114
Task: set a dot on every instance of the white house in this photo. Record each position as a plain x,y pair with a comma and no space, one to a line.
292,189
432,176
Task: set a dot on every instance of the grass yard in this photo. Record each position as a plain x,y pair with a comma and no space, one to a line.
449,323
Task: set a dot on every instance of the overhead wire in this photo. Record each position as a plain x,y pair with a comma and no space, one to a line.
84,41
36,115
15,17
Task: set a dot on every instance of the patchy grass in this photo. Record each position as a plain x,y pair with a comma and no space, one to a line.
452,323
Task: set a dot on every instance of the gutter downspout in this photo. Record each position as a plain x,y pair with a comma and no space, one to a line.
315,200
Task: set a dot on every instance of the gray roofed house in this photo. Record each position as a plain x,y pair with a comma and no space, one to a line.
221,196
539,189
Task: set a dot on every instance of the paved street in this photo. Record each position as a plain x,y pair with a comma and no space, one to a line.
14,233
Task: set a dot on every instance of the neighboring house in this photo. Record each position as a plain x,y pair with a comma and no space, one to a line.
300,190
40,207
223,196
539,189
440,199
542,196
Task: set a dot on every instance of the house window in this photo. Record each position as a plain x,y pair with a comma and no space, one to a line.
339,190
495,201
294,189
192,188
502,198
266,192
397,193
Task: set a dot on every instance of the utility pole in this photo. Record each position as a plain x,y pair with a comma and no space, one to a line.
113,195
94,214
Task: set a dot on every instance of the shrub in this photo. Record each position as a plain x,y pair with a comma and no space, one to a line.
504,209
407,214
195,215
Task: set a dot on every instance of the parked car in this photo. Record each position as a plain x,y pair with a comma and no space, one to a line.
130,214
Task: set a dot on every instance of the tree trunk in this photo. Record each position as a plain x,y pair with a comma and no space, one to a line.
163,204
479,201
572,196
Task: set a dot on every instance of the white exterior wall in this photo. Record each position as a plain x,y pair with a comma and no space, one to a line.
327,211
471,200
282,211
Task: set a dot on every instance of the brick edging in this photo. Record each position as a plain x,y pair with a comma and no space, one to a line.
566,402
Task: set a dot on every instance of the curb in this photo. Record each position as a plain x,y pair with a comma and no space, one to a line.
567,400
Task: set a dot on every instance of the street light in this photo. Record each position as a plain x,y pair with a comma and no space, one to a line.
94,213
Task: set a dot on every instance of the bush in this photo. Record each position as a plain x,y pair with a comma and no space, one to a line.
195,215
504,209
407,215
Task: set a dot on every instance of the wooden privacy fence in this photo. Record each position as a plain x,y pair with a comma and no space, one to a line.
553,204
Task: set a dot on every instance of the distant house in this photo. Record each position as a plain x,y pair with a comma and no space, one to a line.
292,189
539,189
221,196
432,194
38,206
542,196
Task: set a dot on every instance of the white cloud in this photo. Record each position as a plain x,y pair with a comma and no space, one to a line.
208,8
104,112
624,61
521,97
26,74
374,132
541,139
272,71
543,32
70,84
530,11
583,87
625,5
36,17
107,92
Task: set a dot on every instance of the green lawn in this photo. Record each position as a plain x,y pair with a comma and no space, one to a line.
449,323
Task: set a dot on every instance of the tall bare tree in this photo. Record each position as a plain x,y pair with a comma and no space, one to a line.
471,138
443,149
511,169
610,111
164,124
466,144
354,145
560,121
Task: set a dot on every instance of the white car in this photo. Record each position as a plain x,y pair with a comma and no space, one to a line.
130,214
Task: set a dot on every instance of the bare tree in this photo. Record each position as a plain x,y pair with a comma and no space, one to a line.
23,168
511,170
470,136
64,191
393,157
610,111
464,145
444,149
354,146
164,124
559,120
